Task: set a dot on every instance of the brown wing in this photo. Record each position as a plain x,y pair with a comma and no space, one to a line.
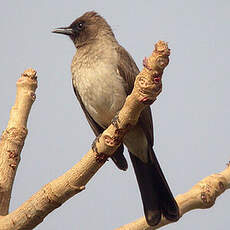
129,70
97,129
118,157
156,195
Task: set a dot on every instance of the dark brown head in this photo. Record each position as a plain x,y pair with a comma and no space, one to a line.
86,29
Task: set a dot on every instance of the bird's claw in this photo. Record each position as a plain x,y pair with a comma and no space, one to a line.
100,157
115,120
94,147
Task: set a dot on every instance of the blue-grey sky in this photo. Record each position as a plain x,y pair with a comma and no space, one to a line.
191,116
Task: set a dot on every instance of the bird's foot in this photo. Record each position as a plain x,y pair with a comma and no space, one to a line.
94,147
115,120
100,157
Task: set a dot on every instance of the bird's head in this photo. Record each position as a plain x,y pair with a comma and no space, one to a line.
86,29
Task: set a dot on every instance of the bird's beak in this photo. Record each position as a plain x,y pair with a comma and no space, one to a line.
63,30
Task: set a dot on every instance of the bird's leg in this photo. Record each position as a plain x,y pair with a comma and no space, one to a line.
115,120
119,132
100,157
94,147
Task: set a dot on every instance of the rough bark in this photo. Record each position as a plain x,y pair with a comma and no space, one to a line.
12,139
33,211
147,87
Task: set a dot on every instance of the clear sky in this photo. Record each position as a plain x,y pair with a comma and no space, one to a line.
191,116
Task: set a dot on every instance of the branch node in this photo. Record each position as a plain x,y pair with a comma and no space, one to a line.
146,100
13,166
77,189
146,65
33,96
51,196
12,154
162,47
30,73
101,157
211,188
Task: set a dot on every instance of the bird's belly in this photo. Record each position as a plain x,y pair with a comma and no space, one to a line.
102,94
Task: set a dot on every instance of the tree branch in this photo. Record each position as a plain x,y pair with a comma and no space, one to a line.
147,87
201,196
12,139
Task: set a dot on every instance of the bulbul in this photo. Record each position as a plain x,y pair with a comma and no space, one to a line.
103,74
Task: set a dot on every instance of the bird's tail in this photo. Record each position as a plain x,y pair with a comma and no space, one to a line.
155,193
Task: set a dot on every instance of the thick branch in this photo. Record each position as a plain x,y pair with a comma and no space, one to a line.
147,87
12,139
201,196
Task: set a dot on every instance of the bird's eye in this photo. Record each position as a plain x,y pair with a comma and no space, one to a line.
80,26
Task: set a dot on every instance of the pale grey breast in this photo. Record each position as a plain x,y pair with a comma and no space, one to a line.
101,88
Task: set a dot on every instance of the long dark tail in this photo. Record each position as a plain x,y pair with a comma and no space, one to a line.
155,193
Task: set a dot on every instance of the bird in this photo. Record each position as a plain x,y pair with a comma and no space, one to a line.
103,75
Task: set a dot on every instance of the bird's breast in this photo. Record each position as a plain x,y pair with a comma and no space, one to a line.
101,89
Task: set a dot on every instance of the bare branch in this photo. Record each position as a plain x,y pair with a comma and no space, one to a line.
12,139
201,196
147,87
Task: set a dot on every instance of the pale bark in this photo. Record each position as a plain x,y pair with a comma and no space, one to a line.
54,194
147,87
12,139
201,196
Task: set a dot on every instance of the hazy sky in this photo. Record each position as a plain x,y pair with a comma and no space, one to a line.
191,116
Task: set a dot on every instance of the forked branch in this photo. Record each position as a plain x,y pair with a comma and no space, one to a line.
33,211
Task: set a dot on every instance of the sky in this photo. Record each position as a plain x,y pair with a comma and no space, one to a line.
191,115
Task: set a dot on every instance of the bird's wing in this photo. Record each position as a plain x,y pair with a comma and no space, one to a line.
118,156
97,129
129,70
155,192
